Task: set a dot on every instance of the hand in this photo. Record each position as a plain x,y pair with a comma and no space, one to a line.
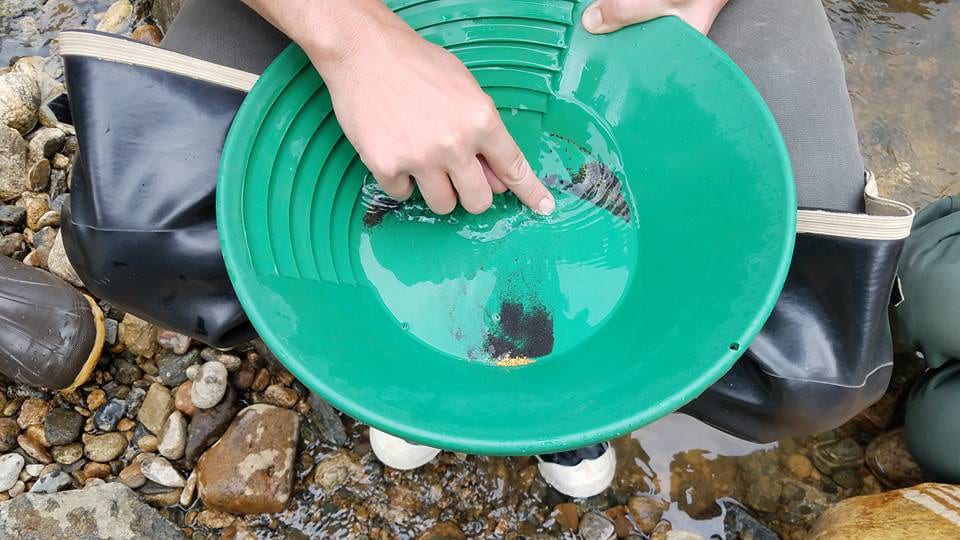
412,110
605,16
415,113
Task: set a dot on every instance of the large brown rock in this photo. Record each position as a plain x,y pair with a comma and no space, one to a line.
924,511
250,469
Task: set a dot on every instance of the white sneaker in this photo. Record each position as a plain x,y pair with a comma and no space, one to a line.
584,472
399,454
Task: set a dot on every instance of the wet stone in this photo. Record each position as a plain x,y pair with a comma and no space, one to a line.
32,412
280,396
336,470
209,385
172,341
131,476
229,361
67,454
173,439
207,425
594,526
567,516
139,336
10,467
156,407
161,471
740,524
833,456
104,448
8,433
443,531
646,511
93,469
134,399
106,417
889,459
250,469
62,426
327,421
96,398
126,372
12,218
34,449
52,482
173,367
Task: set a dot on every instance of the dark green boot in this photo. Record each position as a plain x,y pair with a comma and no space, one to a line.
50,334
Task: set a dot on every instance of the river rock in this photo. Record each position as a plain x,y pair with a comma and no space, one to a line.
10,467
176,343
117,17
45,142
189,489
890,461
126,372
12,218
230,361
139,336
207,425
8,434
209,385
156,408
108,511
147,33
250,469
19,99
32,412
62,426
173,437
160,470
38,177
173,367
67,454
106,417
444,530
280,396
104,448
182,401
326,419
132,476
923,511
36,205
337,469
59,264
594,526
738,523
646,511
52,482
831,457
13,163
34,449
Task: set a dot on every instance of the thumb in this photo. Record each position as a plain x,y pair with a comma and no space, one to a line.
605,16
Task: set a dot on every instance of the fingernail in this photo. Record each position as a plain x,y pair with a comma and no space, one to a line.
546,206
592,19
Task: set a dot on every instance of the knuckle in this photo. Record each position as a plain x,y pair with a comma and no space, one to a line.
479,204
516,170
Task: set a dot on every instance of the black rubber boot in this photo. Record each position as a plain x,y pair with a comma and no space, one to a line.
50,334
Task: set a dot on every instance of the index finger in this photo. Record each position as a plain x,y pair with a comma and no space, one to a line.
507,162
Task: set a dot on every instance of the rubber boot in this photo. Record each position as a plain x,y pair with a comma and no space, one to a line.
51,336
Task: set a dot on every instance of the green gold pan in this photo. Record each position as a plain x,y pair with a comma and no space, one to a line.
508,332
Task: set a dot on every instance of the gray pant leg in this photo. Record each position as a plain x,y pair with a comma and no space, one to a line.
225,32
787,49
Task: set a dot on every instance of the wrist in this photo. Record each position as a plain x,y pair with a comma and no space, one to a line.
333,31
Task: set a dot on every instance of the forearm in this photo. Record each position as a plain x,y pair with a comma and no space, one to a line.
328,30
